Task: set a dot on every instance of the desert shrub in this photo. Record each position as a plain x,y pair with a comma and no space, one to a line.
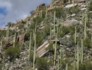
12,52
39,38
89,15
90,6
73,10
87,42
1,66
50,47
27,36
46,29
42,64
21,26
65,1
60,13
39,19
66,30
85,66
41,34
2,33
23,22
43,14
32,27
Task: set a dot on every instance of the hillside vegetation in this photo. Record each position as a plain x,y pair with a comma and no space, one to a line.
54,37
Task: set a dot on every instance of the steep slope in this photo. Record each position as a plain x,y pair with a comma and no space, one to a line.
54,37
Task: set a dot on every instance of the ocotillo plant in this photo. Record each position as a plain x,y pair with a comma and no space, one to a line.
34,56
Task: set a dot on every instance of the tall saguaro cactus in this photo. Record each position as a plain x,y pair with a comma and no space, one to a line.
66,67
7,34
14,40
91,40
34,56
81,51
75,36
29,46
3,60
77,57
1,45
55,39
85,24
46,12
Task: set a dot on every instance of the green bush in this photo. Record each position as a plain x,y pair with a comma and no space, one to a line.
74,10
38,19
90,6
12,52
42,64
50,48
87,43
1,66
65,1
86,66
60,13
46,29
39,38
65,30
2,33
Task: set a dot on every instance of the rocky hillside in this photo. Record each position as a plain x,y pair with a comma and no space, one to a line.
54,37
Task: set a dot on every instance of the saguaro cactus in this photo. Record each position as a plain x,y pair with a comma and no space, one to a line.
55,39
81,51
77,57
91,40
1,45
75,36
14,40
46,13
85,24
7,34
34,56
66,67
29,46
